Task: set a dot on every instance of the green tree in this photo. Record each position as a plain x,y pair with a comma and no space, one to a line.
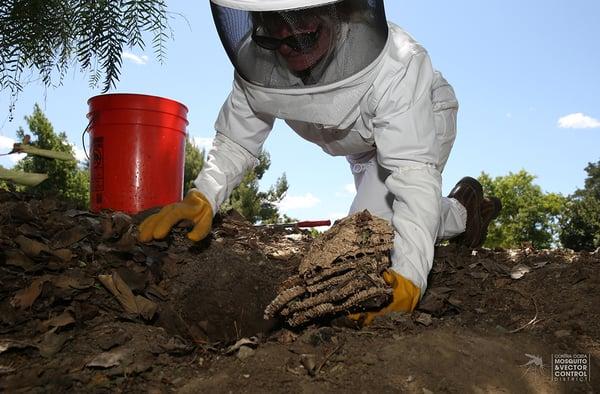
65,179
254,204
194,161
580,223
592,181
6,186
52,35
528,214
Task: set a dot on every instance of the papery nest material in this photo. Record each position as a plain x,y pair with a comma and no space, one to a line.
341,272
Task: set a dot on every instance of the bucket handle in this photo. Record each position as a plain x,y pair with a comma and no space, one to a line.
86,130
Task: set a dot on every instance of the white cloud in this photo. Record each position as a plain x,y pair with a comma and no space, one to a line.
143,59
349,190
578,121
509,114
79,153
203,143
6,145
298,202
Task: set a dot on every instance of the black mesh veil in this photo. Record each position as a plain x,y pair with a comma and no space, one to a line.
302,47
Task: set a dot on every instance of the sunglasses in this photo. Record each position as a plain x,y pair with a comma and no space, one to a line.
302,42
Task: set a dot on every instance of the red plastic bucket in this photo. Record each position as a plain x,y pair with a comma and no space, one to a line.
137,151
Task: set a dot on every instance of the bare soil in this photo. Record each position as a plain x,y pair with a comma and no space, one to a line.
189,317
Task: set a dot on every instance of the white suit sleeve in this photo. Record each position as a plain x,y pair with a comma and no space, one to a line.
240,136
407,146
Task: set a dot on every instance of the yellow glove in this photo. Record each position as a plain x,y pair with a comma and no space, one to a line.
405,298
194,207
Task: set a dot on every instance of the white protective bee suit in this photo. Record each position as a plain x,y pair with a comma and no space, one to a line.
394,119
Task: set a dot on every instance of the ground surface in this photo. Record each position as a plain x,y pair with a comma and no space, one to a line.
85,308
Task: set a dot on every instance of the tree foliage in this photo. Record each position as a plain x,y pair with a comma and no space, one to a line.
49,36
65,179
580,223
254,204
528,214
194,161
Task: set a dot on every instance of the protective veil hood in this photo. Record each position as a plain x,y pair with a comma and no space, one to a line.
333,106
296,59
270,5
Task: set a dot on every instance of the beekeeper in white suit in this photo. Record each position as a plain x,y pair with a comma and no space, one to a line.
358,86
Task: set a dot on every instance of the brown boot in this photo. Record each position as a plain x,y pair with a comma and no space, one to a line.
469,192
490,209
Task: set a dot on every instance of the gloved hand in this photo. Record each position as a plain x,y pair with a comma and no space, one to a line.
405,298
194,207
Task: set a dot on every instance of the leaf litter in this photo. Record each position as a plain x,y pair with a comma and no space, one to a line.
85,307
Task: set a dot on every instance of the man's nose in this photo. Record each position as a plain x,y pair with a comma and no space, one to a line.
283,31
284,49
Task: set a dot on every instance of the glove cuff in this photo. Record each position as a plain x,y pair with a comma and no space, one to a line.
195,197
406,293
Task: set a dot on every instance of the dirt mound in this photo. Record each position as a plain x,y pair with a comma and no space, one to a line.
221,288
85,307
444,359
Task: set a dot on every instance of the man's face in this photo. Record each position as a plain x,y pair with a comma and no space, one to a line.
298,61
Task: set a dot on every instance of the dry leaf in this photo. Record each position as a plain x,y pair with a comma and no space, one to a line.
7,344
285,337
121,291
146,308
107,228
16,258
309,362
157,292
121,222
440,291
51,343
135,280
68,237
136,305
432,303
454,301
21,212
71,213
174,345
30,247
479,275
540,264
70,282
26,297
519,271
251,342
109,359
62,320
127,242
29,230
425,319
64,254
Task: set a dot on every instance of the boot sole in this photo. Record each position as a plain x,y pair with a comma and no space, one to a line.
475,220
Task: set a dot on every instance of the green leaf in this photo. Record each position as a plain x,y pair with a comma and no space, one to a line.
50,36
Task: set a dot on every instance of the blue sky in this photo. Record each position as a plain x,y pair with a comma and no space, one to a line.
526,75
